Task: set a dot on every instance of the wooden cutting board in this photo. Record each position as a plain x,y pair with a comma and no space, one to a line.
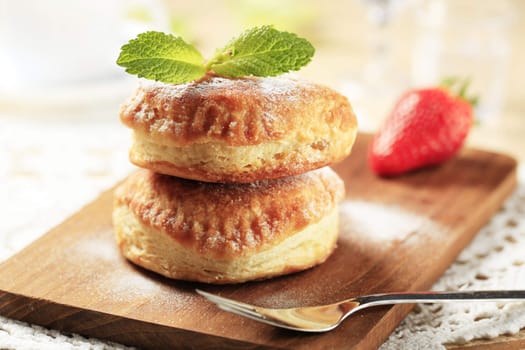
396,235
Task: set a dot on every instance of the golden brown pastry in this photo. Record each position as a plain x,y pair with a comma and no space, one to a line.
238,129
226,233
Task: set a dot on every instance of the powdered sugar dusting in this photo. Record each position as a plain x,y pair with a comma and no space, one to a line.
277,86
380,222
144,114
118,282
132,286
97,248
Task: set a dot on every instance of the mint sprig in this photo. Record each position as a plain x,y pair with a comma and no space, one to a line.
260,51
161,57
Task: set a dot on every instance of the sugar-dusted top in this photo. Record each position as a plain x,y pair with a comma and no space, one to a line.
237,111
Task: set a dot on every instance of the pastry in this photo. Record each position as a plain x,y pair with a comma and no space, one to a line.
227,233
238,130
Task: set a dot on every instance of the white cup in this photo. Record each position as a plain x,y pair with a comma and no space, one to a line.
61,42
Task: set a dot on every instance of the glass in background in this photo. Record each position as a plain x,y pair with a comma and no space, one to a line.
380,79
465,38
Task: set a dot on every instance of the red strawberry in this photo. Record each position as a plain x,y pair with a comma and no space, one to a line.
426,127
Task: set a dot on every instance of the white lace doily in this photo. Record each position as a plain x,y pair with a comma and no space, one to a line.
494,260
49,170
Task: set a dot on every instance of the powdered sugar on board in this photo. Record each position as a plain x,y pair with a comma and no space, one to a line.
383,223
135,284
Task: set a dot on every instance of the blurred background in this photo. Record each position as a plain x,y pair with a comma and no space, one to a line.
61,142
60,138
57,57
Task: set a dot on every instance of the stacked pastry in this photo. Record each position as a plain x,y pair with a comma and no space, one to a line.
236,184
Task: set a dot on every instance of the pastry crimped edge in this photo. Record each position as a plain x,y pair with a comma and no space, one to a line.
238,129
260,231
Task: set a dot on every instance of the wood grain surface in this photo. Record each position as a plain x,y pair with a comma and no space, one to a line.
397,234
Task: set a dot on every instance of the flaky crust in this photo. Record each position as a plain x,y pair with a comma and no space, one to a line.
227,232
281,126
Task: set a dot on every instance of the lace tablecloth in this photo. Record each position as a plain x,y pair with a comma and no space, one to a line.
49,170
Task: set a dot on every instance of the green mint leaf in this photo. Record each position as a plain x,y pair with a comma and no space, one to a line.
162,57
262,51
